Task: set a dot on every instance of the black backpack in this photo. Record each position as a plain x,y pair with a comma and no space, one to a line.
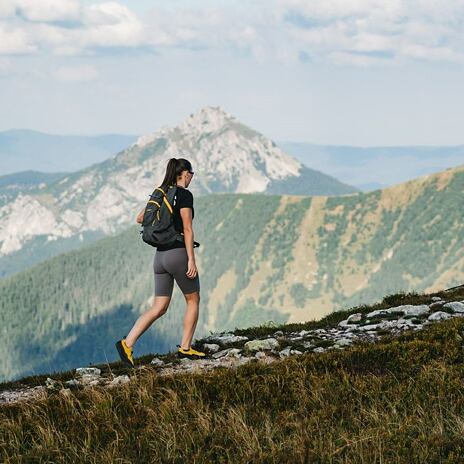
158,219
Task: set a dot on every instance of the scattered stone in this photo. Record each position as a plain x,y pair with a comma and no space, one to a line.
415,310
260,354
88,371
157,362
319,349
455,306
90,379
436,304
211,347
119,380
354,318
439,316
52,384
436,298
258,345
227,338
228,352
344,342
279,333
73,383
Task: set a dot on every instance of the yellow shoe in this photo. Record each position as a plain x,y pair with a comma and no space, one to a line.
190,353
125,353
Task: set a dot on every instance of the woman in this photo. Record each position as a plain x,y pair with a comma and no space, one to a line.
175,261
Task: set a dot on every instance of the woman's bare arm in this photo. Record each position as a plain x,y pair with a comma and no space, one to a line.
186,215
140,216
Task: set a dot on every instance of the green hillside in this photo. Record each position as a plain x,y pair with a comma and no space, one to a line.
262,257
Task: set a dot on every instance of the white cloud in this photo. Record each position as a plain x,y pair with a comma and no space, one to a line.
386,32
76,73
48,10
15,41
357,32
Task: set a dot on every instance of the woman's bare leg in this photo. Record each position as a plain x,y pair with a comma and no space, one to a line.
191,318
159,307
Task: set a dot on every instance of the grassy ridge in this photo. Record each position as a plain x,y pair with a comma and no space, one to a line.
398,400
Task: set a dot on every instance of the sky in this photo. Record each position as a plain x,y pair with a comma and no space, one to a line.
339,72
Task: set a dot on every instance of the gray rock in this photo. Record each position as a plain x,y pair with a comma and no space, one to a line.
260,354
259,345
88,371
72,383
407,310
157,362
368,327
416,310
228,352
279,333
353,318
436,298
343,342
52,384
90,379
211,347
439,315
436,304
227,338
456,306
120,380
319,349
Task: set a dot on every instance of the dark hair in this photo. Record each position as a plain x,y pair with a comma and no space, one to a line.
174,168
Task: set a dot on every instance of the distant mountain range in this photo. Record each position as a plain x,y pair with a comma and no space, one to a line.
43,215
366,168
286,258
28,150
370,168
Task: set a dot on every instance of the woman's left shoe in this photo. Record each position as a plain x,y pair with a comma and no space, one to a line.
190,353
125,353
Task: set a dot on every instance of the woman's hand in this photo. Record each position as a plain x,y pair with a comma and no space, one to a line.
192,269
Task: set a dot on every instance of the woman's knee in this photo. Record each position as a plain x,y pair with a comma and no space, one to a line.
160,305
195,296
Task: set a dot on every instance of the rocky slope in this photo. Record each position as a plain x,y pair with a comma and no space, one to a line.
359,325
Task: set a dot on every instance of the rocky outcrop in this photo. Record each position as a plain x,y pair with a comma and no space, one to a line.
356,327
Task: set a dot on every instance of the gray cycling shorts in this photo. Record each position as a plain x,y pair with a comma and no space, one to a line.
170,265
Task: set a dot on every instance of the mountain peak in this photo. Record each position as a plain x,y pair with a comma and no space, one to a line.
206,119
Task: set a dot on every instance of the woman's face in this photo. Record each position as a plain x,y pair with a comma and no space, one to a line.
188,177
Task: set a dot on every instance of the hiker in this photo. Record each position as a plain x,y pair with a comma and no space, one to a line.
174,261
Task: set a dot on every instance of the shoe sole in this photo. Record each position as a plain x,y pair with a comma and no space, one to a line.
122,354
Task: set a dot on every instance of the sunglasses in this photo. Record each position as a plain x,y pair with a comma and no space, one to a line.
191,172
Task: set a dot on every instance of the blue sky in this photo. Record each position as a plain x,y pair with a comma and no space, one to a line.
358,72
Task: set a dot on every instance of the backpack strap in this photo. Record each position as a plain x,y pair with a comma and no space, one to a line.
165,199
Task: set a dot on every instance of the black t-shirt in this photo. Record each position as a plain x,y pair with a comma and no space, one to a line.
182,199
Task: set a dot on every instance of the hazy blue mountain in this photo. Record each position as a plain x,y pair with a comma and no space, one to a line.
370,168
26,150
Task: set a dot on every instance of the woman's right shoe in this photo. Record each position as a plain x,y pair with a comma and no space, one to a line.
190,353
125,353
